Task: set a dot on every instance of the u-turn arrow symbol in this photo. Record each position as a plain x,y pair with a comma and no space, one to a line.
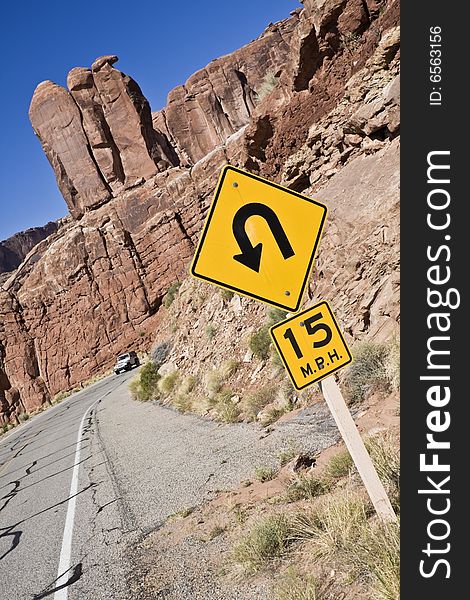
250,255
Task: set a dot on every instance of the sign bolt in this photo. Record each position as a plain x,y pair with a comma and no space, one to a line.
235,184
287,293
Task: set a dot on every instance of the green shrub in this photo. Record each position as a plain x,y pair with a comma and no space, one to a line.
171,294
168,383
23,416
260,343
144,387
264,474
367,372
275,315
267,539
276,360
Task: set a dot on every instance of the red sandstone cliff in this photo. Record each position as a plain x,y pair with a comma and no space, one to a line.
313,103
14,249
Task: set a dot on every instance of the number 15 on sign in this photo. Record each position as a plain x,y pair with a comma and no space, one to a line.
311,345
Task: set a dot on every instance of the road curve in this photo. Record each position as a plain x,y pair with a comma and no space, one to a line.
37,462
86,479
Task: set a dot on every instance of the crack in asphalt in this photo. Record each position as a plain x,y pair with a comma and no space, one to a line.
67,435
96,529
43,457
9,497
27,443
77,572
39,468
8,531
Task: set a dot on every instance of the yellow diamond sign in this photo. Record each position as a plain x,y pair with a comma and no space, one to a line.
259,239
311,345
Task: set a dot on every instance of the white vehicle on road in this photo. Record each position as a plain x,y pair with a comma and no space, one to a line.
125,362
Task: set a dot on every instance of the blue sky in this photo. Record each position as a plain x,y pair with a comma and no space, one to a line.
158,43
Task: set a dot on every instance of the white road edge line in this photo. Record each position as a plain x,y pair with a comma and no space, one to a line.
66,551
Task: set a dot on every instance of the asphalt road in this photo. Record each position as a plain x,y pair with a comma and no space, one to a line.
85,480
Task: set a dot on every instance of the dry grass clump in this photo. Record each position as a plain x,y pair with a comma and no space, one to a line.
171,294
295,586
367,371
306,487
375,366
392,364
335,529
226,410
217,378
272,415
340,465
264,473
254,403
385,454
376,558
333,525
269,538
167,384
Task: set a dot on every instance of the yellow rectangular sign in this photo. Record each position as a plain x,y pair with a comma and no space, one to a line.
311,345
259,239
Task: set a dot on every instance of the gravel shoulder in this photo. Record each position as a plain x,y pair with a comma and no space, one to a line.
163,463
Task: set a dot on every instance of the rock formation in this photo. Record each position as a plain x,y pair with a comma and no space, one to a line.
217,101
312,103
98,136
14,249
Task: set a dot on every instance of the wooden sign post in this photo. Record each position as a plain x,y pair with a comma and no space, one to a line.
312,348
357,450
